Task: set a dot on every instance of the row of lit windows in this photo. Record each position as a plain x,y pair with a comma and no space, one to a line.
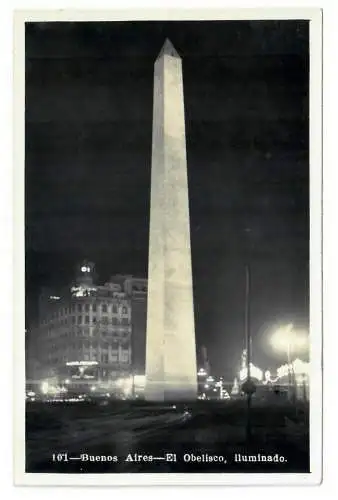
86,345
114,308
86,320
71,354
104,309
85,332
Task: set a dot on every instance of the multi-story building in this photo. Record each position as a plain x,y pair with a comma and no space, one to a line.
88,333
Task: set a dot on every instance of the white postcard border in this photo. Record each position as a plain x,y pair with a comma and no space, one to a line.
315,18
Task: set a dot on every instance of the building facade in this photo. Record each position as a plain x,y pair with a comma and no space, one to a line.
87,334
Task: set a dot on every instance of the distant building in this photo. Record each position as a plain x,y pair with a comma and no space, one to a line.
89,333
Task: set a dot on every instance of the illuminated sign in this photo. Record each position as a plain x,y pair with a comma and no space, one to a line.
81,363
82,291
298,367
254,371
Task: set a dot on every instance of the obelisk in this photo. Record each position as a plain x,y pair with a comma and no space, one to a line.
171,373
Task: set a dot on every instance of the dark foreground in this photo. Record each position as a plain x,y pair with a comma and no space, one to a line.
208,438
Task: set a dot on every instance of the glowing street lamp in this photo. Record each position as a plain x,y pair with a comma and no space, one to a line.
287,340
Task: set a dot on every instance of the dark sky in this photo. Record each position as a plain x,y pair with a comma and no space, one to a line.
88,157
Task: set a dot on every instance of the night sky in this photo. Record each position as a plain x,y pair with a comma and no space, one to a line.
88,158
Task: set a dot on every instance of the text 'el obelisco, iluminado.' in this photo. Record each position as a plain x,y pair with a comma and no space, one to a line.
171,372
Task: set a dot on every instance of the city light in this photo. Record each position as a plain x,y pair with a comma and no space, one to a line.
268,378
225,394
286,338
81,363
85,269
126,385
44,387
82,291
298,367
255,372
140,381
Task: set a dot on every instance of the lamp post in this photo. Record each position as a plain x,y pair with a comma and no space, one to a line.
248,387
287,339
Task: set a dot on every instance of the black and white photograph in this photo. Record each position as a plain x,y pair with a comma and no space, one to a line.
168,175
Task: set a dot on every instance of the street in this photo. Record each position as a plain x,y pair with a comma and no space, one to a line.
108,437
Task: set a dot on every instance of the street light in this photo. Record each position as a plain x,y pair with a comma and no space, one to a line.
287,339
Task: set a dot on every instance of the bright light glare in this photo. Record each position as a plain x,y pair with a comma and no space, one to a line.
126,384
44,387
255,372
286,337
299,367
81,363
140,381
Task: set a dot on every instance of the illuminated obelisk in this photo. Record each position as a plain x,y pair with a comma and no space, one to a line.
171,373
